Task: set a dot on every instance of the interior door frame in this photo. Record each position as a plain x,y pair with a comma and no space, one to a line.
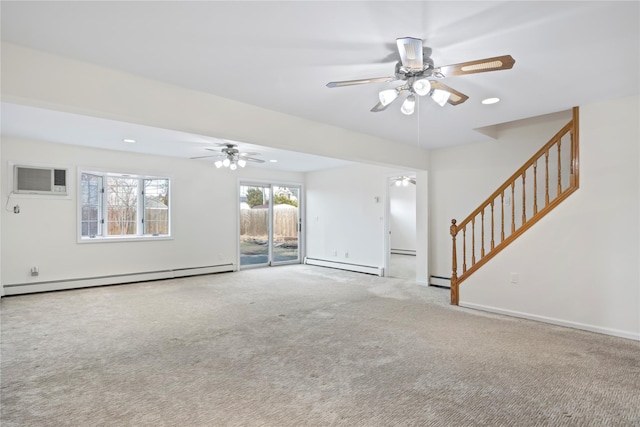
301,219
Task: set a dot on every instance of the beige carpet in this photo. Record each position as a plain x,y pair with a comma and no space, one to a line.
300,346
402,267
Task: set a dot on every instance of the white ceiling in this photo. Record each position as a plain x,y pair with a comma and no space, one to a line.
280,55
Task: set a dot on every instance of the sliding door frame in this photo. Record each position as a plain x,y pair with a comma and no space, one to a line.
301,220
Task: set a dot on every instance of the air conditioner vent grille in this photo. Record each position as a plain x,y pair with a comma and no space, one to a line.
32,179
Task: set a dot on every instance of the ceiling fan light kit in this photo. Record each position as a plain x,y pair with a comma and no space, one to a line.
421,87
403,181
231,157
409,105
388,96
416,69
440,96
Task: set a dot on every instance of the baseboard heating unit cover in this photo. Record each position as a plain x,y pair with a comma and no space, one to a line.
377,271
403,251
114,279
443,282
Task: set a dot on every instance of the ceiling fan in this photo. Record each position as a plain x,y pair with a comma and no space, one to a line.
417,71
230,157
402,181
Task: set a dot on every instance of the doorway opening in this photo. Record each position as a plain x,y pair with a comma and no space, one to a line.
270,224
402,227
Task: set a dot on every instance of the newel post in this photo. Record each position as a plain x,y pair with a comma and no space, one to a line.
454,264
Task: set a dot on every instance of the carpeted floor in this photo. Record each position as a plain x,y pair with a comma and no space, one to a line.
402,267
300,346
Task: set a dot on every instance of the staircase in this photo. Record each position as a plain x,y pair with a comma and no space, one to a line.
541,184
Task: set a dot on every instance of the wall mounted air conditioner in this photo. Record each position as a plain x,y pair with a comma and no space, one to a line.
39,180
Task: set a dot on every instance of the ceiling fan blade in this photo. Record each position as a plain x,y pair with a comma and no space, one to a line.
479,66
248,154
361,81
455,98
411,53
203,157
251,159
380,107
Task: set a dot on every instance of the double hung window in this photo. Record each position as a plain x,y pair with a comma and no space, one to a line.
123,206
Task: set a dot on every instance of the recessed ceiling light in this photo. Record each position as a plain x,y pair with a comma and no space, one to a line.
490,101
273,161
129,140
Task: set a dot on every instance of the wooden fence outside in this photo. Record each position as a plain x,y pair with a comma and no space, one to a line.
254,223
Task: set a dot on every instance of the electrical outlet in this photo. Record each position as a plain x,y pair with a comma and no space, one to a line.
16,209
35,271
514,277
346,254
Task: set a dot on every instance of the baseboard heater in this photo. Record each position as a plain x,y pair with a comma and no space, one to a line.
439,281
377,271
403,251
114,279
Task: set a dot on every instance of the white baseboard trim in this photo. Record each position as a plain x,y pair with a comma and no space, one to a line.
116,279
559,322
377,271
421,283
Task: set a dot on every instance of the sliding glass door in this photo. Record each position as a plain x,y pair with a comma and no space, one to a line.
285,244
270,224
254,225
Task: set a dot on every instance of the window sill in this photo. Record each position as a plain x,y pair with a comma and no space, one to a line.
111,239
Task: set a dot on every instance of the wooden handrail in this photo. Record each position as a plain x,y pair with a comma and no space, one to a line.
518,179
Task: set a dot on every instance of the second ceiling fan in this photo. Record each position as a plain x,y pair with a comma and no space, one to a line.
230,156
417,71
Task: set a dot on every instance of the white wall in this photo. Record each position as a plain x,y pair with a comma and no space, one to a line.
255,174
402,210
343,216
423,234
460,178
578,266
44,234
2,184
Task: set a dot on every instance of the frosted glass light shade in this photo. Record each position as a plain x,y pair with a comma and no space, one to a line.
440,96
409,105
218,164
233,166
242,163
226,162
422,87
388,96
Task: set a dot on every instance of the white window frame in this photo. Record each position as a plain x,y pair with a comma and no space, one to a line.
140,211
